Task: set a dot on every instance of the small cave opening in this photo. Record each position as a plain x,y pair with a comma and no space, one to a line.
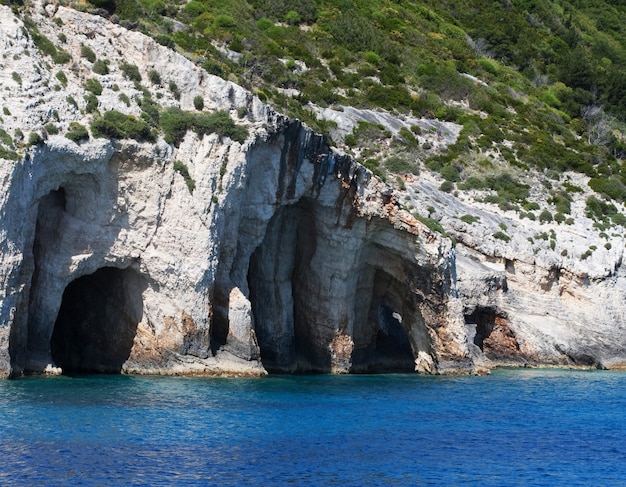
97,321
493,334
485,321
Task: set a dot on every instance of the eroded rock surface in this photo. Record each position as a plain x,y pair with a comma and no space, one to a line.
287,256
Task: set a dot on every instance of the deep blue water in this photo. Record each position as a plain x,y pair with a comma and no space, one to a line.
514,427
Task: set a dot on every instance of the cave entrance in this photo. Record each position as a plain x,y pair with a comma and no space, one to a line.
381,336
97,322
277,276
485,321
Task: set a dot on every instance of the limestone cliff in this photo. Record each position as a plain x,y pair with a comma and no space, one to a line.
284,255
276,253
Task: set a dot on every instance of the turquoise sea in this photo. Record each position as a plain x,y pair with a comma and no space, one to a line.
513,427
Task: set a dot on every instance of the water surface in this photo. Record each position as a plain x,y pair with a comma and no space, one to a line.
514,427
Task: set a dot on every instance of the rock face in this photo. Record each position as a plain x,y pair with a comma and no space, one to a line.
284,255
287,256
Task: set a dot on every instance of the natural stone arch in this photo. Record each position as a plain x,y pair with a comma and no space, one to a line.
97,321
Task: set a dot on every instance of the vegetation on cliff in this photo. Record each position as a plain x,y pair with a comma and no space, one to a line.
535,87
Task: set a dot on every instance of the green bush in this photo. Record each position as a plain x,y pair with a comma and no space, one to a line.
470,219
131,72
176,122
100,67
5,138
34,139
9,154
117,125
264,23
501,236
91,105
224,22
94,86
399,165
123,97
70,99
446,187
62,78
611,187
77,133
45,45
174,89
155,77
183,170
51,129
451,173
545,216
17,78
198,103
87,53
293,18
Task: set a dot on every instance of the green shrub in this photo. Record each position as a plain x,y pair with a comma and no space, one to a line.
91,105
131,72
70,99
408,137
34,139
586,254
5,138
9,154
264,23
399,165
432,224
165,40
450,173
117,125
446,187
94,86
17,78
6,111
198,103
174,89
470,219
155,77
176,122
293,18
101,67
183,170
51,129
124,99
545,216
62,78
87,53
45,45
77,133
502,236
224,22
611,187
